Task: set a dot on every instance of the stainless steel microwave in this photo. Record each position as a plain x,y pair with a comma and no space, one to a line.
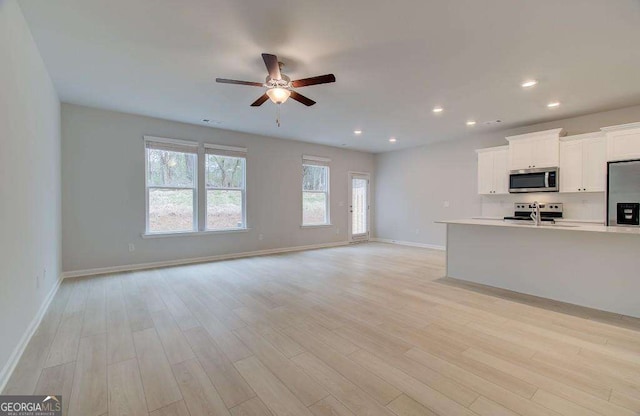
534,180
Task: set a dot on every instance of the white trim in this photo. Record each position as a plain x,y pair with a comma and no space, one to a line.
168,263
309,158
167,140
410,243
621,127
583,136
316,226
553,132
195,233
15,356
492,149
225,148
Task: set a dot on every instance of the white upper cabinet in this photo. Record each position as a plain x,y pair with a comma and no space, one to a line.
492,171
571,166
623,142
535,150
594,165
583,163
501,171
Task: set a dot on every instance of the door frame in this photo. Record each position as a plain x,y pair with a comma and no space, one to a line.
359,237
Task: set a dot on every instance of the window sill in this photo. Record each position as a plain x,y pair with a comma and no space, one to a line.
195,233
316,226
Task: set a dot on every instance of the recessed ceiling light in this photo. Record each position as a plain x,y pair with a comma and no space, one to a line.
471,123
357,132
438,109
553,104
530,83
392,140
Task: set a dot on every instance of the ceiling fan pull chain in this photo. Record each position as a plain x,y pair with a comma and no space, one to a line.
278,114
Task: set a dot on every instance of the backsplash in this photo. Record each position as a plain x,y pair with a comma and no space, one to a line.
584,207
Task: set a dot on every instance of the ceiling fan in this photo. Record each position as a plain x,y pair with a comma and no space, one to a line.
279,86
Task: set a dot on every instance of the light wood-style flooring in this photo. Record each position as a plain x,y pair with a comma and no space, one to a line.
370,329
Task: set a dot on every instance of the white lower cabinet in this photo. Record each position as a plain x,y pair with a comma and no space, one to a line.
583,164
493,174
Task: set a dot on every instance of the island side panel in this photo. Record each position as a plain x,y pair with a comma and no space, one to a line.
596,270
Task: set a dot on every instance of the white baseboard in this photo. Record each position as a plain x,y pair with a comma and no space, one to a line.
6,372
168,263
410,243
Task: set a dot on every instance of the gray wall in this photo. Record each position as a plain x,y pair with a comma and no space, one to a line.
103,191
412,185
29,182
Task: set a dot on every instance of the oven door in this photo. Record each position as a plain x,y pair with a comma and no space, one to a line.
533,180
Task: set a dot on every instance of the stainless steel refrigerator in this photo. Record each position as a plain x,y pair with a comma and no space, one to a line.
623,193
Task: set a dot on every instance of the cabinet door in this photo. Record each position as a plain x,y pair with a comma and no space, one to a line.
485,173
546,152
594,165
500,172
571,166
520,154
624,145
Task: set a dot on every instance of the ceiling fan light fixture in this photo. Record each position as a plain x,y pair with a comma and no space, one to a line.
278,95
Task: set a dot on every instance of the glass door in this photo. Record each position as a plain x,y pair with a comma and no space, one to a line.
359,207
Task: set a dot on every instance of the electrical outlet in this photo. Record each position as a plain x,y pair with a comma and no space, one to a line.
446,204
260,237
338,230
417,231
132,247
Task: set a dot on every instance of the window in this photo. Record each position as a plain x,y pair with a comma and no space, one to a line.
315,190
225,187
172,194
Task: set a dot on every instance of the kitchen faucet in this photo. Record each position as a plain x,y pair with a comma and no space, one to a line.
535,215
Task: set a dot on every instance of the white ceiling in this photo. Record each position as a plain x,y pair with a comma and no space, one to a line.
393,60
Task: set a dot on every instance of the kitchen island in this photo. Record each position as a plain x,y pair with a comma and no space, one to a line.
584,264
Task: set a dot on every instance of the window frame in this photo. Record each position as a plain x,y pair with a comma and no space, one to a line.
186,144
225,151
323,162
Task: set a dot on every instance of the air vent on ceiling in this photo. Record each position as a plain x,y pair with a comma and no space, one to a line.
491,122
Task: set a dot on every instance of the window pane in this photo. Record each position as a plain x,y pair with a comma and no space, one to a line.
167,168
358,206
314,178
314,208
170,210
224,210
224,171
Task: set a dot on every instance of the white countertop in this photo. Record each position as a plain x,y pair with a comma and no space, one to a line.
563,225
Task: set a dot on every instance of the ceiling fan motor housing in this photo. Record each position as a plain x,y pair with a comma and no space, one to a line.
285,82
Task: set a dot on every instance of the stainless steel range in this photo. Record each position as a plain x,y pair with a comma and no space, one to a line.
549,211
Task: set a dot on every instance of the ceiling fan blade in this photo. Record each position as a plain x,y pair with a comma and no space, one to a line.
321,79
271,61
234,81
260,101
302,99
